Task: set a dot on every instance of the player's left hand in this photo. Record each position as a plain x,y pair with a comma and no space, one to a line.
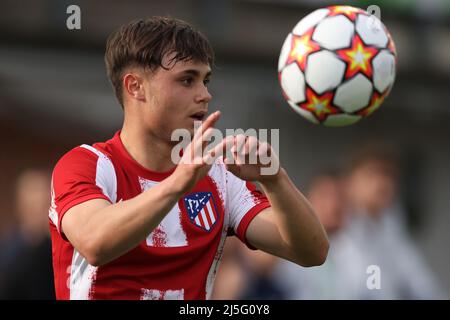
252,160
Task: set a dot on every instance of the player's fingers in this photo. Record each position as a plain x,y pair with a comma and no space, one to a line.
199,144
251,144
200,139
218,151
208,158
226,148
239,146
251,149
221,148
240,142
209,122
263,149
265,153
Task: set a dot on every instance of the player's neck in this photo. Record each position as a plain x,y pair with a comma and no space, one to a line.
148,150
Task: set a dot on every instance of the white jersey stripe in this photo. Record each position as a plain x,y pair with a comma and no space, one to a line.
171,226
199,216
211,213
205,221
105,174
218,176
207,215
82,275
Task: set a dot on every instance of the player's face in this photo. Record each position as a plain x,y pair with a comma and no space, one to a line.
177,97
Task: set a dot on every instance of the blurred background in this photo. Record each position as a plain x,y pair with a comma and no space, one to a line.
381,187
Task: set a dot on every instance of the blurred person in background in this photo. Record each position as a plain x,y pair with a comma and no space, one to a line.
378,227
247,275
342,276
231,279
259,268
26,267
255,275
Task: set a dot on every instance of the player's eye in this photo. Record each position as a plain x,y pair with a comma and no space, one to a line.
206,81
187,81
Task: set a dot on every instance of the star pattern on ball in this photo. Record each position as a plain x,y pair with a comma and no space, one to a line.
301,47
349,12
320,106
359,58
375,102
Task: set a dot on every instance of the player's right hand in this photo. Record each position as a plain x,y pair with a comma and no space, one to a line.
195,162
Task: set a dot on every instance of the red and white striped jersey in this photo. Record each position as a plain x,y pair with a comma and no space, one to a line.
178,259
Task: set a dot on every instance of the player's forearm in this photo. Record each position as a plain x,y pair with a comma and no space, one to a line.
305,235
118,228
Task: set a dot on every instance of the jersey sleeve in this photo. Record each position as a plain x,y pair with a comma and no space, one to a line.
82,174
244,203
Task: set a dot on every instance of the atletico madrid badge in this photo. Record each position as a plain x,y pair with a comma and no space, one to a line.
201,209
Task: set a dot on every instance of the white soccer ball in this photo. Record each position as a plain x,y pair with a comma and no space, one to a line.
337,65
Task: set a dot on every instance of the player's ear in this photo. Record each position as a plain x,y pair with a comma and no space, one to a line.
133,86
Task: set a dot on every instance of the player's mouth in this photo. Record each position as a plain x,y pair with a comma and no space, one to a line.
199,116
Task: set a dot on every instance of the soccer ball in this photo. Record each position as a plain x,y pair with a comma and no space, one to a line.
337,65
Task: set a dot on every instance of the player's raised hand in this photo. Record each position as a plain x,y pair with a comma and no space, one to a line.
252,160
195,162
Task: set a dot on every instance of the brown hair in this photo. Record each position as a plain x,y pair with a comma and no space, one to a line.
144,43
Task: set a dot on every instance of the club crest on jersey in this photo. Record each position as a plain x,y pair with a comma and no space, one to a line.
201,209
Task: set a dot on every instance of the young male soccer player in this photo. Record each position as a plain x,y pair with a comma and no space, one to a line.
128,223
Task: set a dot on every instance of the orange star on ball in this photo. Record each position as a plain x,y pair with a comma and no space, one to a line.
359,58
301,47
320,106
376,101
349,12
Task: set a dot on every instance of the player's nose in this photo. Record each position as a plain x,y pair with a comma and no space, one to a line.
203,95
